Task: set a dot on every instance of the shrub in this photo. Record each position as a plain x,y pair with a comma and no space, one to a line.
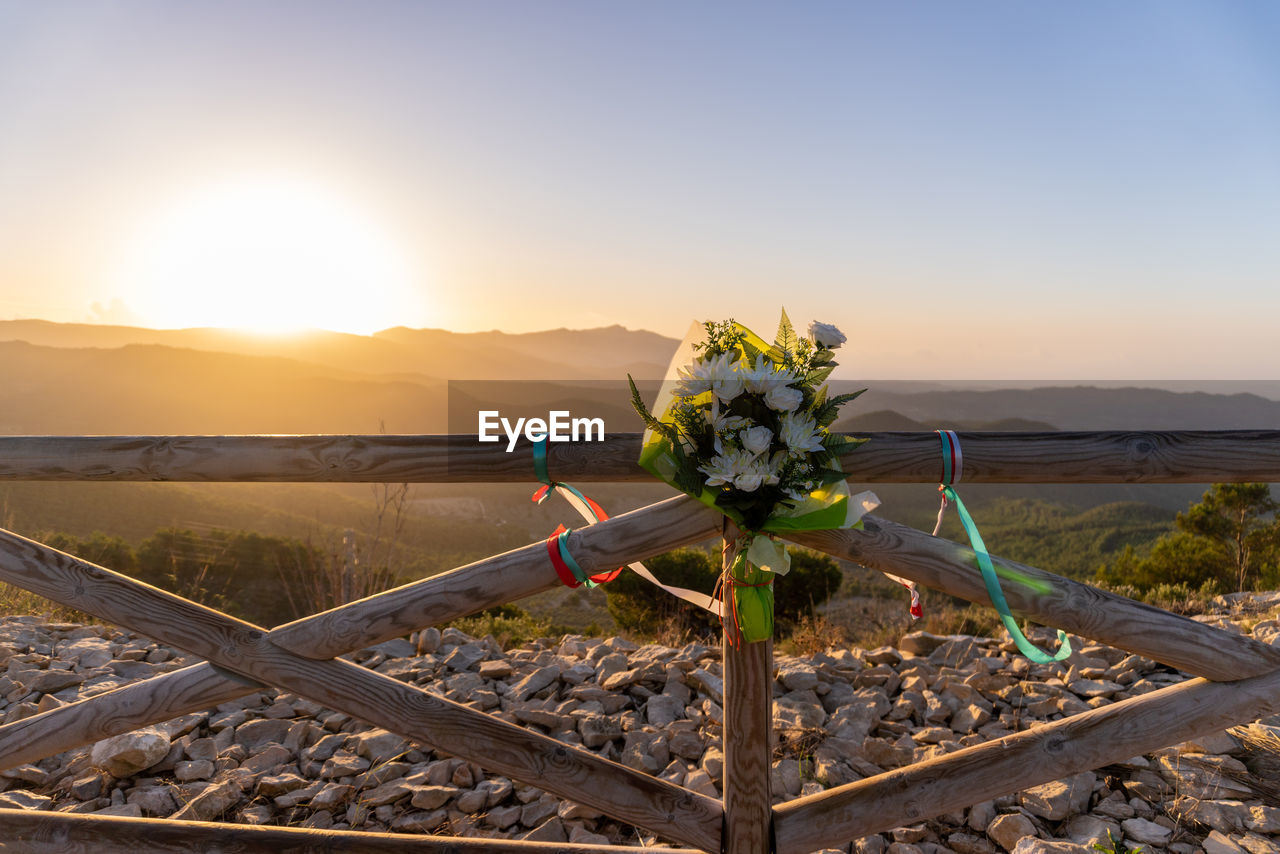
638,607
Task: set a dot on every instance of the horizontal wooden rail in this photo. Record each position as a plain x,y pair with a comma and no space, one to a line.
1197,648
68,833
1114,456
584,777
1047,752
438,599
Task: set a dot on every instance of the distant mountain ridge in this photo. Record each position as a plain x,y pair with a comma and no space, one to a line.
603,353
81,378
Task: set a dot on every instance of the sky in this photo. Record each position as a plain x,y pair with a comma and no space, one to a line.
985,189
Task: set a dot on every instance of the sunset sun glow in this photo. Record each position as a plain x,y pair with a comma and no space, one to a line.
271,255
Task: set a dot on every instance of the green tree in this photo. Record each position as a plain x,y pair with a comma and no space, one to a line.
111,552
1239,518
638,606
1230,539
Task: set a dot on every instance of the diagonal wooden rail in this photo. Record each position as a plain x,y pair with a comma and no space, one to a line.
393,613
1109,456
1197,648
1016,762
246,649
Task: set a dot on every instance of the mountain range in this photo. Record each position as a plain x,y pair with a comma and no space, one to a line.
83,378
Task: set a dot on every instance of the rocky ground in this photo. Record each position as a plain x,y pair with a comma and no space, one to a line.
274,758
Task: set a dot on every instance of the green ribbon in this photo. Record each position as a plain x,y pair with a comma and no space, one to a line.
540,462
1025,646
749,598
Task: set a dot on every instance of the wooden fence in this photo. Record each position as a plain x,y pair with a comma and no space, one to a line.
1239,677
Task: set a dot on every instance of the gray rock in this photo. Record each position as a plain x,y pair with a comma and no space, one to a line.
596,730
1255,844
210,803
378,745
279,784
797,675
256,733
798,710
662,710
1031,845
1088,829
1146,832
1008,830
535,682
1060,798
154,800
551,830
1231,816
128,753
466,656
432,797
968,843
194,769
49,681
1264,819
332,796
708,683
21,799
1219,843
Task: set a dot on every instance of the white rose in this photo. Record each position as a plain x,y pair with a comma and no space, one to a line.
783,398
825,335
756,439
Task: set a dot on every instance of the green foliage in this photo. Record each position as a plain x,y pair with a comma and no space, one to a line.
1229,540
637,606
509,625
114,553
1057,537
1115,846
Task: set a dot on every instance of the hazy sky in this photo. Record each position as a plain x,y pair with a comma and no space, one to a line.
982,189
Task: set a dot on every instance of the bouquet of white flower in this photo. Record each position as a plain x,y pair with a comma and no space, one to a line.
743,427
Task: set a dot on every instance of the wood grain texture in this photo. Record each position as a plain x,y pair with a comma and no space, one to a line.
1194,647
1016,762
614,789
747,736
1116,456
522,572
65,833
437,599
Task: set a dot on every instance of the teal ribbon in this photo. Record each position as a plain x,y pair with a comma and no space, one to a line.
562,542
540,462
1025,646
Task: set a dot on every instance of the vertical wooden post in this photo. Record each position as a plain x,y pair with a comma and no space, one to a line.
747,733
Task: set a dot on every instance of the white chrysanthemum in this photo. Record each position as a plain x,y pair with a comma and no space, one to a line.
799,433
825,335
725,467
764,375
725,374
756,439
760,471
723,424
783,398
694,379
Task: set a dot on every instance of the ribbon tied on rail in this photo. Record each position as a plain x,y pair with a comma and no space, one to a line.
570,571
952,469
